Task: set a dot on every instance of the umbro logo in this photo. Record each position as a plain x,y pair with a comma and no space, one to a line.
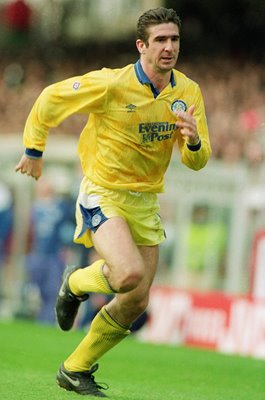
131,107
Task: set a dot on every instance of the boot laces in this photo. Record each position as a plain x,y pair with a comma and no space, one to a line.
99,385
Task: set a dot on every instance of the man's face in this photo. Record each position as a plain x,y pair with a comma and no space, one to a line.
161,51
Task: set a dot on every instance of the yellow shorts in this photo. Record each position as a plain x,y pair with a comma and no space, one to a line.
96,204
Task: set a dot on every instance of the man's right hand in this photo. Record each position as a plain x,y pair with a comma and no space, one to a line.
30,166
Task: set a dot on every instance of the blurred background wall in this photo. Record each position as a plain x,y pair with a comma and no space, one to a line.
214,219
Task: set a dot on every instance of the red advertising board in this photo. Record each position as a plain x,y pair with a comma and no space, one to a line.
229,324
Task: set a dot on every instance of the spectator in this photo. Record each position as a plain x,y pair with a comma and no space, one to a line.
17,17
6,224
52,231
206,238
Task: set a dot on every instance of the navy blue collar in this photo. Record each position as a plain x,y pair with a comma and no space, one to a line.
143,78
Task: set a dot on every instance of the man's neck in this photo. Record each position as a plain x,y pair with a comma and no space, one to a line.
159,79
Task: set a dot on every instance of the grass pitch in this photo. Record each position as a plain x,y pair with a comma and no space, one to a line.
30,355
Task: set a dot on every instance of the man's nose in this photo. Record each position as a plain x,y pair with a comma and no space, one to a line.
169,45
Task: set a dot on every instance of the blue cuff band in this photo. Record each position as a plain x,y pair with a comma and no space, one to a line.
33,153
194,147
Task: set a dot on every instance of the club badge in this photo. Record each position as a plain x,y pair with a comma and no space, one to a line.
178,105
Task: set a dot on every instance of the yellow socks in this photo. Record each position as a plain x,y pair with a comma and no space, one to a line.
104,333
89,279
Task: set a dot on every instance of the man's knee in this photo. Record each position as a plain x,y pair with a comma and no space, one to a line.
129,280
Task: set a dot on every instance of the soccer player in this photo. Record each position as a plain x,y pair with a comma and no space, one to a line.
136,115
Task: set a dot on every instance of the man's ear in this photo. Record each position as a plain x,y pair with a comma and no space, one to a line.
140,46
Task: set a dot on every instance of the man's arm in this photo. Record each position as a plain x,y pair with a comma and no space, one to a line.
57,102
193,138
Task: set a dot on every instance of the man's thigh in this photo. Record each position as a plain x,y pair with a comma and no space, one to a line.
114,243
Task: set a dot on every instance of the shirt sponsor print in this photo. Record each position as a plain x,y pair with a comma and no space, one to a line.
156,131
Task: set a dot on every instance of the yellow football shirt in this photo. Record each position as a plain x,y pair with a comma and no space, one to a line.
130,133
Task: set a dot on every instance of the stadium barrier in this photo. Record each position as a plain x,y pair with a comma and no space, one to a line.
227,324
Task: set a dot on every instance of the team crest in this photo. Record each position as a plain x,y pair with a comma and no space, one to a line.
178,105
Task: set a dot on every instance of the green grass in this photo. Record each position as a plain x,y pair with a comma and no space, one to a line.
30,355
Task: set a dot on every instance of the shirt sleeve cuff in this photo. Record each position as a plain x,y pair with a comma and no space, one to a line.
33,153
194,147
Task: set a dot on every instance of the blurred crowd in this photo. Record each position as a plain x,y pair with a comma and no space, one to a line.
234,96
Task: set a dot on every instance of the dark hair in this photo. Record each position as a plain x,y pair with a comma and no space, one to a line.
155,16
